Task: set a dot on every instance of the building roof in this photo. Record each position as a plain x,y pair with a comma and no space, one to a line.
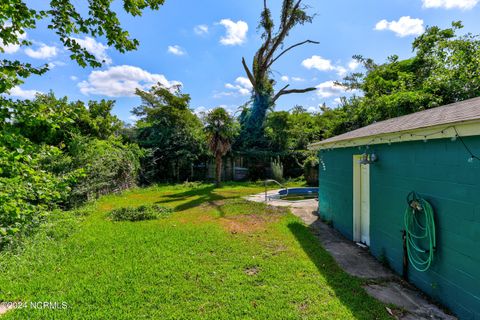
455,113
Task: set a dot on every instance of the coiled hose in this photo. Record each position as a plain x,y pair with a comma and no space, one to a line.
419,235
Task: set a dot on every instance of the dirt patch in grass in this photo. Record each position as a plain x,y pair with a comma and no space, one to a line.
236,216
244,223
247,223
303,307
252,271
105,207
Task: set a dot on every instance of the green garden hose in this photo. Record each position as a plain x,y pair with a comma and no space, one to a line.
420,232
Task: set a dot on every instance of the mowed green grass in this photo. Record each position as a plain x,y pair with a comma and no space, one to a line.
216,257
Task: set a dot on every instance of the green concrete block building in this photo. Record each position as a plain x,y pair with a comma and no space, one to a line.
366,175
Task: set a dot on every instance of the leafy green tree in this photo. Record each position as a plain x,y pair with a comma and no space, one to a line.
170,130
54,121
444,69
304,128
450,63
67,20
277,126
220,129
264,96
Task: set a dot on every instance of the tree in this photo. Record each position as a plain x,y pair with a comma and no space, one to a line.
276,130
170,130
54,121
220,129
444,69
303,128
450,63
67,20
264,96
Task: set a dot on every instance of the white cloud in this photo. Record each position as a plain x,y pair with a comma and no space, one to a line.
236,32
121,81
341,71
353,65
222,94
329,89
322,64
42,52
298,79
12,48
201,29
99,50
176,50
242,86
405,26
73,78
319,63
450,4
23,94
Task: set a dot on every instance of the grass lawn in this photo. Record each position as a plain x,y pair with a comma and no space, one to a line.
216,257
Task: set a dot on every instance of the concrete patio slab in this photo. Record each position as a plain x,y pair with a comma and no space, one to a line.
408,299
357,261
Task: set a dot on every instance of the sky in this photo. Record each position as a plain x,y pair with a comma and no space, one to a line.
200,44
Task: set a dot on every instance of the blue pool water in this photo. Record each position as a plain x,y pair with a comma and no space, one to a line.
293,194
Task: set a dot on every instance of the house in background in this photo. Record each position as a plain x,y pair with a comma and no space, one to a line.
366,175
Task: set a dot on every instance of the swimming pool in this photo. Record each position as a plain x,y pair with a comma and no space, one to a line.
296,194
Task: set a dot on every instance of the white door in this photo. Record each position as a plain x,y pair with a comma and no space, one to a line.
365,204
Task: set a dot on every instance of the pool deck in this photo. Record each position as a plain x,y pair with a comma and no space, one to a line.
382,283
308,203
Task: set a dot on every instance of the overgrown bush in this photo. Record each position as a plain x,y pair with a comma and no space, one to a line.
109,166
139,213
28,191
55,154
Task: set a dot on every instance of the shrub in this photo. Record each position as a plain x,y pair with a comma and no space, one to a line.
109,166
27,191
192,184
139,213
277,169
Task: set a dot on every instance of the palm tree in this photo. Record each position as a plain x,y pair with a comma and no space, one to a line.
221,129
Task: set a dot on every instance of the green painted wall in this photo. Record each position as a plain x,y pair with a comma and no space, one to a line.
440,172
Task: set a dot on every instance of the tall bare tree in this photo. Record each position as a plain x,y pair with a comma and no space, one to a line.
264,96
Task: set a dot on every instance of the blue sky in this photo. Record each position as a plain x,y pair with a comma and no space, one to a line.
200,44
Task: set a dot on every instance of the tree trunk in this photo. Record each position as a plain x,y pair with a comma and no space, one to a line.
218,169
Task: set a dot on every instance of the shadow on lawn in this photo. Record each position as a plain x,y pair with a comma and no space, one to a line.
199,196
347,288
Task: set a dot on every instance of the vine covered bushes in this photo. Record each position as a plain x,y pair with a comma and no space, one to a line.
58,154
27,190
